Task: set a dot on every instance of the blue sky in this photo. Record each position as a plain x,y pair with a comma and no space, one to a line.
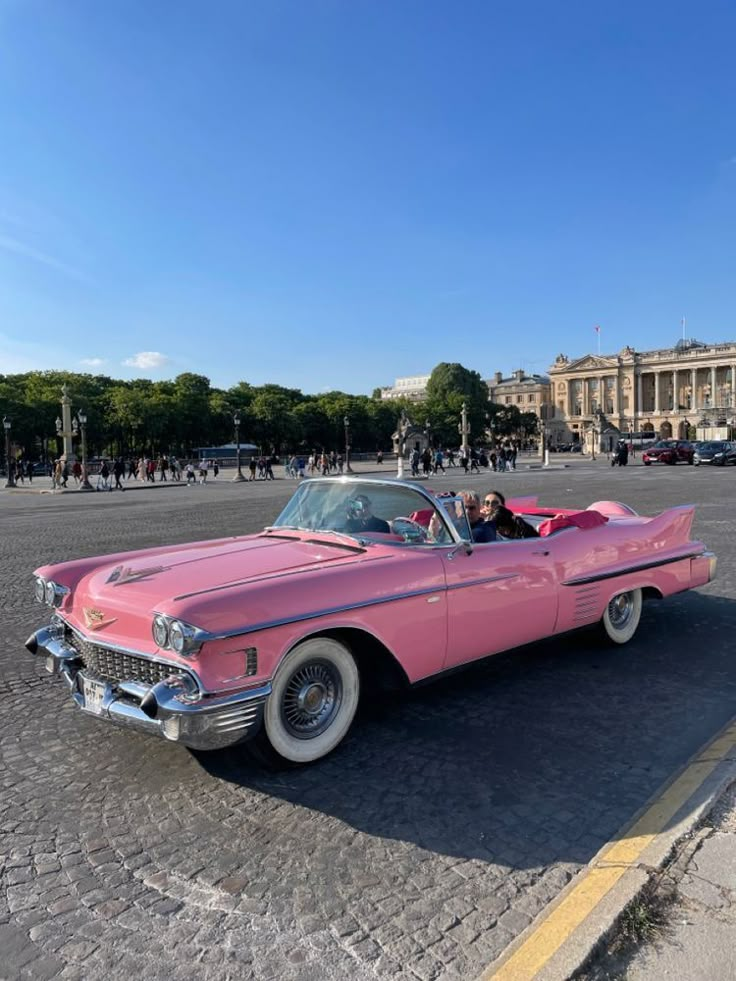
332,193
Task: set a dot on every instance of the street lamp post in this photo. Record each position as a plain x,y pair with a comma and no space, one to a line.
10,482
236,422
82,421
346,423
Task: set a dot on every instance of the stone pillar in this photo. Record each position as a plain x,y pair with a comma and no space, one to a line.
657,386
601,393
639,404
67,432
713,387
675,393
694,387
733,386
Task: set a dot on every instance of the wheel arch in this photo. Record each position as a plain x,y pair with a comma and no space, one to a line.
378,666
651,593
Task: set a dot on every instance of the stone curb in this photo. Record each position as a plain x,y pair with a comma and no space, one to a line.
584,944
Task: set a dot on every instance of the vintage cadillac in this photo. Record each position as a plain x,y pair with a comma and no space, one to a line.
268,639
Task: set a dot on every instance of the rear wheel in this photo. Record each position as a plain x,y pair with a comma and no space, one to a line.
621,616
312,704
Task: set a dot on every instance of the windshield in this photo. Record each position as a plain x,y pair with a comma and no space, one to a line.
365,509
665,444
712,447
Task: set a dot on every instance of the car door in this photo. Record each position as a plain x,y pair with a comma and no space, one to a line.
499,596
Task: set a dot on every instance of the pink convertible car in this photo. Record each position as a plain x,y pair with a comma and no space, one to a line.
269,638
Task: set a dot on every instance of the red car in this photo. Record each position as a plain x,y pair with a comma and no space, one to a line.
670,451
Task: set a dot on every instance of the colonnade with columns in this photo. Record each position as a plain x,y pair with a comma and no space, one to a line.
640,391
693,389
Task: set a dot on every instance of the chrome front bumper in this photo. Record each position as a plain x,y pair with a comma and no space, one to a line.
172,709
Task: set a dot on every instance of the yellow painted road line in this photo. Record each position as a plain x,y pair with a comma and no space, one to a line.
611,864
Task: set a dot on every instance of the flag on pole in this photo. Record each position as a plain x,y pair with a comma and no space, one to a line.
597,330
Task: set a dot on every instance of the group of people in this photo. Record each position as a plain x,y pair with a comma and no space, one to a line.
489,518
433,461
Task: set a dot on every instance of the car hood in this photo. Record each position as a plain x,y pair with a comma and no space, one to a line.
118,598
205,566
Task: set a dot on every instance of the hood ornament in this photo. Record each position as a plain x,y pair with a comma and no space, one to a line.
95,619
122,574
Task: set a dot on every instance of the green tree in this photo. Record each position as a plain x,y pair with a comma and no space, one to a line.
449,386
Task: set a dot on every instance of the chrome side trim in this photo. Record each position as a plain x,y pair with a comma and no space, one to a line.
638,567
485,580
347,607
326,612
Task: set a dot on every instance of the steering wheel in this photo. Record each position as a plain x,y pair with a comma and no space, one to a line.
410,531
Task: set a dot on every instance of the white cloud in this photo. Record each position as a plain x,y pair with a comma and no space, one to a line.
145,360
93,362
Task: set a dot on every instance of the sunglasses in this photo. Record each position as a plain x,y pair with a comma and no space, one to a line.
492,504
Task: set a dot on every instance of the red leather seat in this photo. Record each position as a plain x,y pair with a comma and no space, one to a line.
580,519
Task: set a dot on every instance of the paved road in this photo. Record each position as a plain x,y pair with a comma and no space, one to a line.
420,849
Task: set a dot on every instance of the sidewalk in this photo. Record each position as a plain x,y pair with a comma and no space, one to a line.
687,917
697,941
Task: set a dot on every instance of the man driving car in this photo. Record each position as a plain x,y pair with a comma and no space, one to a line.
361,517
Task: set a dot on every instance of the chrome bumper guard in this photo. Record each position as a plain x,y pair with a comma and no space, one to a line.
173,709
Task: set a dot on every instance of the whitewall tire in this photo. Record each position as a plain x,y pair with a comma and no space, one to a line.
621,616
313,701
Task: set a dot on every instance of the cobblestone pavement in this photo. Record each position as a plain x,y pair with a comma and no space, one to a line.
419,850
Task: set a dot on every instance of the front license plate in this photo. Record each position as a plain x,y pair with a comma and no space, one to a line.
94,694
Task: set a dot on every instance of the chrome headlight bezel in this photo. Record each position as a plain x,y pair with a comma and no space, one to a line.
49,593
160,630
181,637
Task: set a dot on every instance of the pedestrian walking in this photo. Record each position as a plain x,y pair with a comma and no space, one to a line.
104,477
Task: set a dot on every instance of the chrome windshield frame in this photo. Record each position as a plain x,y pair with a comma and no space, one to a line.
346,481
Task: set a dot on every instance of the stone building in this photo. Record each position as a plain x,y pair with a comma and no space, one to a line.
664,392
413,387
529,393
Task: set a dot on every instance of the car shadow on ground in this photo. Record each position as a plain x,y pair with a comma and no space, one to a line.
534,756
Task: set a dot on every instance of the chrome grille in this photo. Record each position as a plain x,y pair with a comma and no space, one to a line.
115,666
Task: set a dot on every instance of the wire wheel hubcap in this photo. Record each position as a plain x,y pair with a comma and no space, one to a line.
620,610
311,699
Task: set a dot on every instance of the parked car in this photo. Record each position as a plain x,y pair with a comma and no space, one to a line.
270,638
720,453
670,451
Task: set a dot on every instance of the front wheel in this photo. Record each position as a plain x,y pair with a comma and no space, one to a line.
621,616
312,704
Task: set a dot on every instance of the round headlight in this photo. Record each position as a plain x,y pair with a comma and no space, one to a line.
39,591
176,636
50,593
161,631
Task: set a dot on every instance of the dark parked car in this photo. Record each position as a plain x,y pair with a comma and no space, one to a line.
719,452
670,451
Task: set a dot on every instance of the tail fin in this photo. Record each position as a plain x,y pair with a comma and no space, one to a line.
673,526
